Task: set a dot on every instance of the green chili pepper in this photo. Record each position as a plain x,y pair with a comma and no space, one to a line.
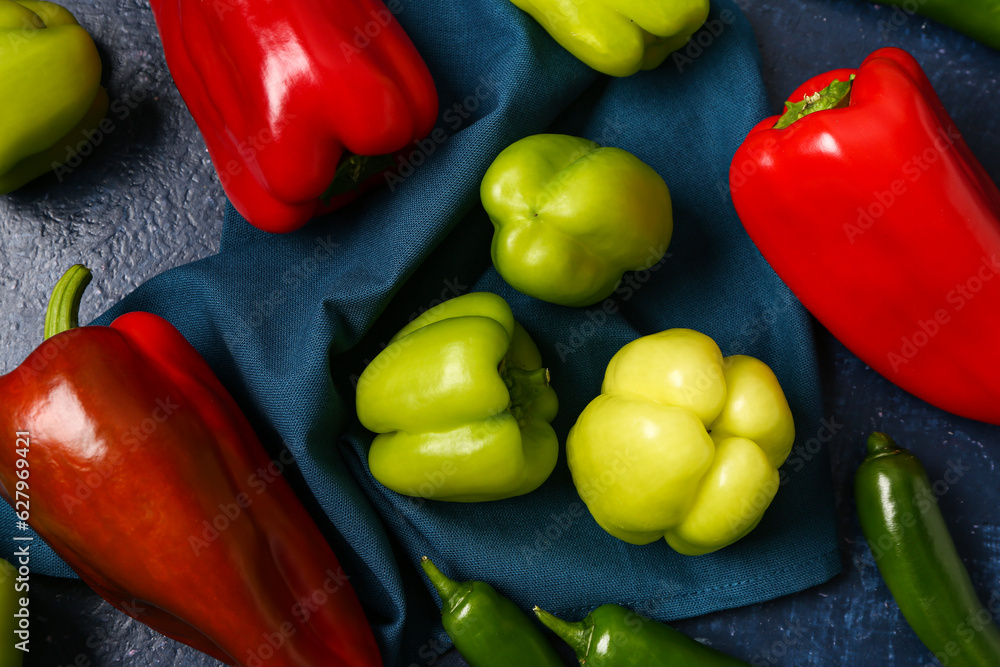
10,604
488,629
614,636
916,556
979,19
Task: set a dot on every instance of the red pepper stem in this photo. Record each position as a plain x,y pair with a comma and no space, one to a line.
577,635
64,304
452,593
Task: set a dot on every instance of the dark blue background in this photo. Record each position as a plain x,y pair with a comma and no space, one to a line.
848,621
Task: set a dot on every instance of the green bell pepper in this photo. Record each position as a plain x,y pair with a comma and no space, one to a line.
619,37
50,76
682,443
570,217
461,404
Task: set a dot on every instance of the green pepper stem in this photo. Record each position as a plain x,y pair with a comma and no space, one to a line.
524,386
577,635
879,444
451,591
64,305
837,95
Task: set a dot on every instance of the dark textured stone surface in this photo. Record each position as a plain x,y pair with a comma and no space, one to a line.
147,199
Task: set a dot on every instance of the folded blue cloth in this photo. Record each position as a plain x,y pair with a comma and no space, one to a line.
288,322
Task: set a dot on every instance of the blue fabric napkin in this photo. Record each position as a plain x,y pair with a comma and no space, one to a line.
289,322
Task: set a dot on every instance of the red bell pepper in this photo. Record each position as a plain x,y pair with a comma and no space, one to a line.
138,469
282,91
870,206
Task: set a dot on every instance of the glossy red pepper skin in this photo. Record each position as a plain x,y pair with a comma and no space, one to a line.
137,453
886,227
280,90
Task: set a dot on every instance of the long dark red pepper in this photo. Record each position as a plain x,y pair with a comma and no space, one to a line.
144,476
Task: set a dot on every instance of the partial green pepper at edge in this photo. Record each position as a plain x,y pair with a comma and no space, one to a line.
50,75
619,37
10,604
979,19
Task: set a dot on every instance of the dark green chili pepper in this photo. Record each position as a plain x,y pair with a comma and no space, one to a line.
979,19
916,556
613,636
487,628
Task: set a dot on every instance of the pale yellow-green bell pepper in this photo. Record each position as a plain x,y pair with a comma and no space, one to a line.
682,443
